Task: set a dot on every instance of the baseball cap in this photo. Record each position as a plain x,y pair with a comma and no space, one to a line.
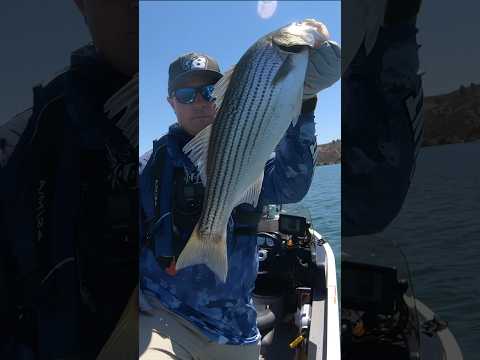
191,64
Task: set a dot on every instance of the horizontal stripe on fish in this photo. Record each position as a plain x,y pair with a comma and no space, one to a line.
215,190
248,122
230,160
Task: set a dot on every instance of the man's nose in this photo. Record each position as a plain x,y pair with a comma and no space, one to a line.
199,99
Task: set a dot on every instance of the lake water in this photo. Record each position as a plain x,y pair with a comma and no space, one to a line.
438,230
323,202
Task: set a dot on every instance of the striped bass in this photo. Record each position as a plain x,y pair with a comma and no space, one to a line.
257,101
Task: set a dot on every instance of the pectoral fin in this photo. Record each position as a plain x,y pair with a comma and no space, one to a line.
252,194
197,151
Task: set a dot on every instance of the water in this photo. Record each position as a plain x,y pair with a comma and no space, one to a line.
439,229
323,202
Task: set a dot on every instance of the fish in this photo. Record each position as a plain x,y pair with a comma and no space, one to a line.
256,102
364,19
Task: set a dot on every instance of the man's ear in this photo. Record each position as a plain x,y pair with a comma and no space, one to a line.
80,6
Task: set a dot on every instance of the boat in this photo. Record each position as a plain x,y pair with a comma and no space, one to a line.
381,317
295,293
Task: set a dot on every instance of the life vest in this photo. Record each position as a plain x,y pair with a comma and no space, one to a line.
70,240
187,195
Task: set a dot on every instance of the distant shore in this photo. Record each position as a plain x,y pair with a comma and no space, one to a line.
328,154
452,118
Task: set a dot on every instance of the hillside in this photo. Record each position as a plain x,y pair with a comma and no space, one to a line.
454,117
329,153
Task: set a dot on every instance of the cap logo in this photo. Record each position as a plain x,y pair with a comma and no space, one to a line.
198,62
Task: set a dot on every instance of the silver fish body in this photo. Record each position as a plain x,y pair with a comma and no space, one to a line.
259,101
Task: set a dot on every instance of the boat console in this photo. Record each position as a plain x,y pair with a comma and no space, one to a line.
292,294
381,317
376,322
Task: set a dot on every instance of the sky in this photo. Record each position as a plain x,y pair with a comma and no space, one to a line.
39,36
448,33
223,30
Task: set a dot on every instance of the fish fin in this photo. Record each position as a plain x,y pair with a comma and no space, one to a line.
211,253
295,121
197,151
252,194
298,106
375,16
297,110
316,154
283,71
221,87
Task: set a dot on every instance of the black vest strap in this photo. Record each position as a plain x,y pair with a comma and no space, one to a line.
159,154
46,151
186,206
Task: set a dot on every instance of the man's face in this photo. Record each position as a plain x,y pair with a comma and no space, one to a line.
196,116
113,25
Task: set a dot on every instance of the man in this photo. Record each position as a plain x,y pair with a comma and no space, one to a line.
191,314
68,179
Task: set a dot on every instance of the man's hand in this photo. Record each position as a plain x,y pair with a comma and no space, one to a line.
399,12
323,68
308,105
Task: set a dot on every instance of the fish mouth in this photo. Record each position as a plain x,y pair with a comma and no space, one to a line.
295,49
298,35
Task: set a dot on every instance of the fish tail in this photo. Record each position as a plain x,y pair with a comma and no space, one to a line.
212,253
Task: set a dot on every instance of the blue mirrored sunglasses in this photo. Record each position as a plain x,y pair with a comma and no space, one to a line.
188,95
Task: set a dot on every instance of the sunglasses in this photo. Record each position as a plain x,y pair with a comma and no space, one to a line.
188,95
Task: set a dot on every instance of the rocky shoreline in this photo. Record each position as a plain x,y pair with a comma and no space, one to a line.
328,154
452,118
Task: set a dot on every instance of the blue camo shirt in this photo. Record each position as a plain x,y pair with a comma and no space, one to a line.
224,312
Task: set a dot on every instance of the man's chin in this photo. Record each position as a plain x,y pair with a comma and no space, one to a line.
203,120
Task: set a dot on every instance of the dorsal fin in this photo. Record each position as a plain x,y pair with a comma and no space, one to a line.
221,87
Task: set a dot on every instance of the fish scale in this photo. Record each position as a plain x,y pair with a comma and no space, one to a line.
227,132
255,78
257,102
242,142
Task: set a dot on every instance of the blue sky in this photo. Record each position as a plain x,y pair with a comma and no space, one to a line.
223,30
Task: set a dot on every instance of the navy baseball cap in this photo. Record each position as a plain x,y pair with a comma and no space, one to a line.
189,65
